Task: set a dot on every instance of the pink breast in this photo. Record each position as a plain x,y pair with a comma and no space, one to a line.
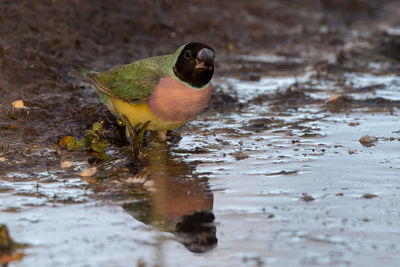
174,101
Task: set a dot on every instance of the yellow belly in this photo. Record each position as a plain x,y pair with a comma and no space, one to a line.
140,114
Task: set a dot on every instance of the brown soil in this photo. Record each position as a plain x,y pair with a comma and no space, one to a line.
41,40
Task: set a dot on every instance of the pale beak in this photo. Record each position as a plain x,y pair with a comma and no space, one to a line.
205,59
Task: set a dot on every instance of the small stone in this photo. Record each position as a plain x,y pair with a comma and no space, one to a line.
270,215
239,155
351,151
66,164
307,198
89,172
150,186
354,124
141,263
369,196
368,141
334,98
89,180
18,104
138,179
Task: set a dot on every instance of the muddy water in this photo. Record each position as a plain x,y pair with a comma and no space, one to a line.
278,176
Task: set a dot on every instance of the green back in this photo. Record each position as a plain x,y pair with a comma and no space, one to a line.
136,81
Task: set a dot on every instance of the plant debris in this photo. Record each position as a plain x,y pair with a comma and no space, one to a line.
9,249
94,140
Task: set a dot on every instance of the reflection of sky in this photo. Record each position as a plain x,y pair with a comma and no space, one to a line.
389,90
322,89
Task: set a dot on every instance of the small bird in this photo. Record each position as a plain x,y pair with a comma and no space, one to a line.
166,90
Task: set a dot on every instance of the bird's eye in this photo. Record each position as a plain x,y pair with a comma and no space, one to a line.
188,54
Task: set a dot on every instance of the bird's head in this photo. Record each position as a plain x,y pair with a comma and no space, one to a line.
195,64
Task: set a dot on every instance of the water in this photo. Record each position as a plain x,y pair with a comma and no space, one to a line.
283,173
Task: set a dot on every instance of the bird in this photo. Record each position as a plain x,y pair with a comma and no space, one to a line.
164,91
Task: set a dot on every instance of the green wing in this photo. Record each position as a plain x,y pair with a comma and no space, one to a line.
133,82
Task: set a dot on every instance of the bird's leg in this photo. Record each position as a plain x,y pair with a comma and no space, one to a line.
128,136
162,135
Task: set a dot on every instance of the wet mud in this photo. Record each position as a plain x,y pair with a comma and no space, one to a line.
294,162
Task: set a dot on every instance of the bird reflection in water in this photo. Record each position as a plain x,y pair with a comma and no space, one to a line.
182,202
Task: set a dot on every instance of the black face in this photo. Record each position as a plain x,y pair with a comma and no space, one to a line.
195,64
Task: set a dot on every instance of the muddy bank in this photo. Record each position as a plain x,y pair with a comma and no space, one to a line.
42,40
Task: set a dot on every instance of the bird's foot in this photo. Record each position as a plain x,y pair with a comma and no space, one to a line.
135,134
128,136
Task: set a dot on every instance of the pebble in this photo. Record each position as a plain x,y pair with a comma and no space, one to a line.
89,172
18,104
367,140
66,164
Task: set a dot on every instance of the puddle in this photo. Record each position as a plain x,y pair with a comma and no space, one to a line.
281,180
